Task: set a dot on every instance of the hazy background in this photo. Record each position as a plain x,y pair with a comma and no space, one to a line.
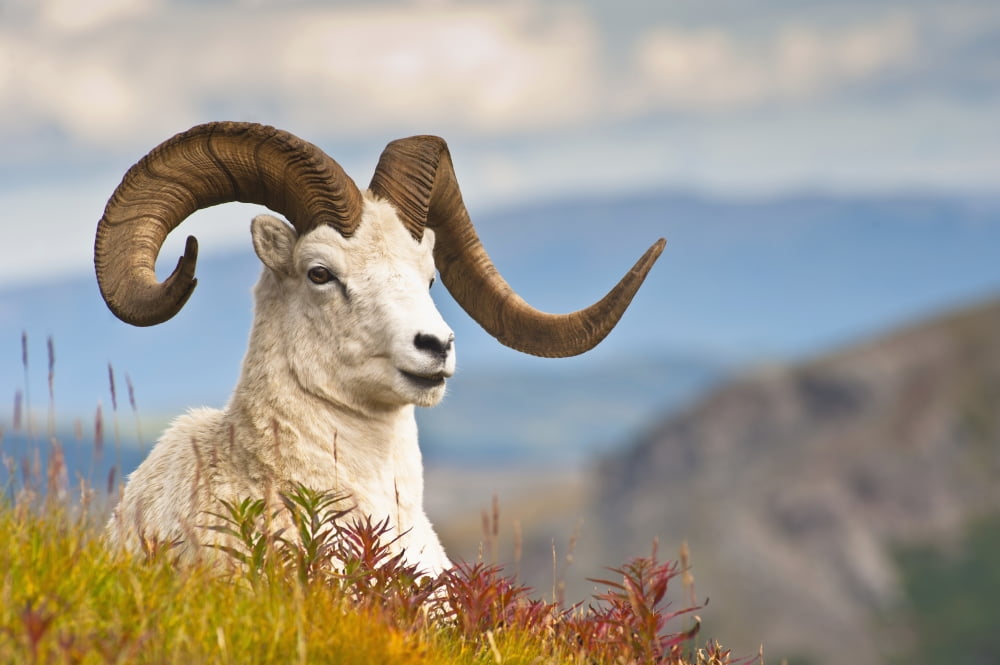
823,173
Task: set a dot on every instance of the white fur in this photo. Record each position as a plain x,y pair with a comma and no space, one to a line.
321,399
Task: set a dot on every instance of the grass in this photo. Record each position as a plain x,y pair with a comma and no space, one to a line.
66,600
329,590
331,594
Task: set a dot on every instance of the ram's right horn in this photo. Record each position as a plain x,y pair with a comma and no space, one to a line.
207,165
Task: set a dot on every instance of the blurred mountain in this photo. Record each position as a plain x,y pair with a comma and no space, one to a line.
565,416
793,484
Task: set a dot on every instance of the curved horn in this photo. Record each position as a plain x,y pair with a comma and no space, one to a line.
417,176
205,166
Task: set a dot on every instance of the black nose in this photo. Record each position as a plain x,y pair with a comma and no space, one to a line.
433,344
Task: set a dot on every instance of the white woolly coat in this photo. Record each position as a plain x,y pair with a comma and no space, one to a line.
291,419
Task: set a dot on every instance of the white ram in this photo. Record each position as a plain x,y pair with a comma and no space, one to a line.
345,339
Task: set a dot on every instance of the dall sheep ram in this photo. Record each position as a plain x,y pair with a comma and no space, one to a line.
345,340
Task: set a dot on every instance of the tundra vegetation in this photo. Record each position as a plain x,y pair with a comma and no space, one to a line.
67,598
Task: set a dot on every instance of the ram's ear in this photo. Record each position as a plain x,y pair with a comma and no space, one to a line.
274,242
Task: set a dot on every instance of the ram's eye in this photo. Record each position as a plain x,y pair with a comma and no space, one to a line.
431,283
320,275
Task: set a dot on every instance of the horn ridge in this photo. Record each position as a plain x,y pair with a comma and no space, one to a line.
405,176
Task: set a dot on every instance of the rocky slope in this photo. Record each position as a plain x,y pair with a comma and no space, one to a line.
792,484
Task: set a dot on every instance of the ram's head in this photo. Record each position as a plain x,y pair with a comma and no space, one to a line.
352,271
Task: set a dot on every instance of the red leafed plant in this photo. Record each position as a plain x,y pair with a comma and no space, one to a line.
632,615
628,623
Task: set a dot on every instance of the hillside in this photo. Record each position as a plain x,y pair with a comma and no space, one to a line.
791,484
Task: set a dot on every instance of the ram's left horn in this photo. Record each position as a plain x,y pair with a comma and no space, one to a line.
417,176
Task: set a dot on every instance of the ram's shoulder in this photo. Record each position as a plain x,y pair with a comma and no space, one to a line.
188,436
201,423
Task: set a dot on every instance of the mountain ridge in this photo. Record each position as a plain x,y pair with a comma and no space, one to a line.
793,484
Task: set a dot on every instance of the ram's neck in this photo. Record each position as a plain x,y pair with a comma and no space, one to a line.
300,437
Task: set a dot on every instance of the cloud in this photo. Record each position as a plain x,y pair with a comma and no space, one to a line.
109,78
484,69
70,16
712,69
123,71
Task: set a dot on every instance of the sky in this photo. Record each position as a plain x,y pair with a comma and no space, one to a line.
537,98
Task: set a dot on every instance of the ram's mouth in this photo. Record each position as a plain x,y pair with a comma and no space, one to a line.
425,381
